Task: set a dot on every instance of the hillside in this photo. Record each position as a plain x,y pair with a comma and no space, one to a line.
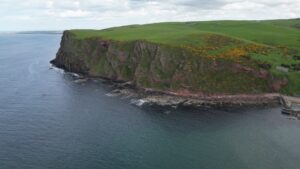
206,57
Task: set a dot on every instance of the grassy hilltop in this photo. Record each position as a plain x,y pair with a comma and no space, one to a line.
273,44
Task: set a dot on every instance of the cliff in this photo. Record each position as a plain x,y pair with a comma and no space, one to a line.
175,69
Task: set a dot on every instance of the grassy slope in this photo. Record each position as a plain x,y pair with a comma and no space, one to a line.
281,38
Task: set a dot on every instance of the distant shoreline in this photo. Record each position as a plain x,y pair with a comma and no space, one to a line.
39,32
32,32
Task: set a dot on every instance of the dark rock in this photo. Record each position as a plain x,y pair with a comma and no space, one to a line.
265,66
296,67
105,44
286,66
296,57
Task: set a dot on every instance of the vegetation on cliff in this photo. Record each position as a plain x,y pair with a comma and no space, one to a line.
201,57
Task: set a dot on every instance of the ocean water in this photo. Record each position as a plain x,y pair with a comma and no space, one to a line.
48,121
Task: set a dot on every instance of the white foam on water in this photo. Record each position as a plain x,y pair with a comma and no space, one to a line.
80,80
31,67
139,102
167,112
57,69
112,94
75,75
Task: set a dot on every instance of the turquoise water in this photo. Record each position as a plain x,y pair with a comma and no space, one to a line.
47,121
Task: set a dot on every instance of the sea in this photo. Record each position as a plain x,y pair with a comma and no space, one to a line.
49,120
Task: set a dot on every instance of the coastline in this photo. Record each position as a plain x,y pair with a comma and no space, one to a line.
157,74
151,97
160,98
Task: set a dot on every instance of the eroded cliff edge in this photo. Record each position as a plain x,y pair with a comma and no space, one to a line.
173,70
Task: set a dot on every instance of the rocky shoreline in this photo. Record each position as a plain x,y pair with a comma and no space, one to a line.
159,98
150,97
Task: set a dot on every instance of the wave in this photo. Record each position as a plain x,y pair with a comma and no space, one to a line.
139,102
112,94
75,75
57,69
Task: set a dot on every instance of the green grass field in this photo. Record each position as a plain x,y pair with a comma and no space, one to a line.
274,42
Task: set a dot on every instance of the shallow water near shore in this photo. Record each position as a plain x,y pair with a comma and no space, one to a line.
47,120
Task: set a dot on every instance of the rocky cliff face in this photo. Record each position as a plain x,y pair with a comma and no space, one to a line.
162,67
